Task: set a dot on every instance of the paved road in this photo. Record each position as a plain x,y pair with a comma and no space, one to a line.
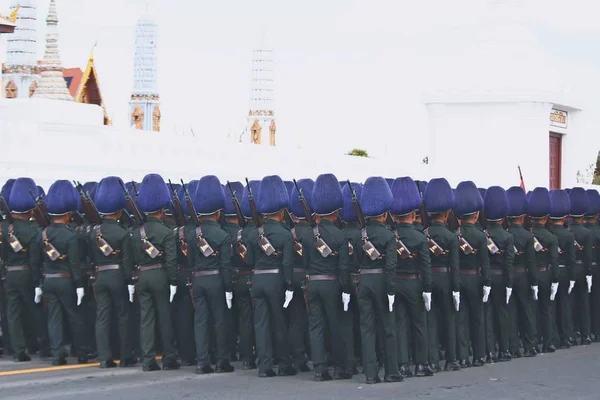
568,374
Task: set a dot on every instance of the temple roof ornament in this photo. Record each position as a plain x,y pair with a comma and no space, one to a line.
52,85
145,85
12,19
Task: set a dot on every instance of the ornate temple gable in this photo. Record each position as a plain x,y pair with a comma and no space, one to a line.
11,90
89,88
261,113
255,131
272,130
8,24
32,88
137,118
156,119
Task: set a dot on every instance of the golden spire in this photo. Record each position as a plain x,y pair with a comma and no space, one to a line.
13,15
92,51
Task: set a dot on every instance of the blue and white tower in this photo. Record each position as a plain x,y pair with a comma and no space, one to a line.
144,106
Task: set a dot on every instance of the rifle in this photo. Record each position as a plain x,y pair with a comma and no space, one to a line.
203,245
320,244
403,251
263,242
87,204
40,212
434,247
12,238
367,246
137,215
177,208
6,211
454,225
241,248
493,249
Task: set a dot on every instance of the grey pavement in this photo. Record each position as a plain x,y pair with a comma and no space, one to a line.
568,374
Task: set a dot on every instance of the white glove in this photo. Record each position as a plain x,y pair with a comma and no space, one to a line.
588,278
228,298
38,295
456,300
79,292
391,299
553,290
486,293
508,294
289,295
345,300
571,286
535,289
427,300
172,290
131,290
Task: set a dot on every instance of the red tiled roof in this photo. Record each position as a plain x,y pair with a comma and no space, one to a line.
73,78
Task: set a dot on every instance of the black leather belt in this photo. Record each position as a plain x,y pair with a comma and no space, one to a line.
109,267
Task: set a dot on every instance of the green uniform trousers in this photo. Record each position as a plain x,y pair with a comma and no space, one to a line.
562,323
182,310
351,331
298,319
6,342
522,321
545,308
270,328
595,302
325,308
61,301
112,298
580,302
154,305
410,316
374,310
209,298
88,311
471,316
242,299
501,320
24,318
441,319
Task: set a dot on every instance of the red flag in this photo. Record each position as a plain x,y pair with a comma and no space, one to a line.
522,181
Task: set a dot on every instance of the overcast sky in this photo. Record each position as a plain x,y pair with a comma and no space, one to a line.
349,73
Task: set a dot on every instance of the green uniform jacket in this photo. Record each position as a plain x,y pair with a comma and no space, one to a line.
249,236
66,242
27,233
448,241
384,240
352,231
595,229
281,239
586,239
336,263
419,226
505,258
301,230
220,259
162,238
420,262
479,259
566,254
232,230
548,257
120,240
525,256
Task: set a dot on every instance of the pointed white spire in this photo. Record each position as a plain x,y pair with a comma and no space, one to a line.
261,95
52,85
21,47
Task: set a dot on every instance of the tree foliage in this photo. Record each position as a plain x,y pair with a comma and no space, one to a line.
358,153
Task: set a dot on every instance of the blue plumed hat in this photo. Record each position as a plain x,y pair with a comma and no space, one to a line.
468,199
208,198
405,196
539,203
390,182
238,189
272,196
482,192
255,188
326,195
41,191
438,196
306,185
495,203
154,194
342,184
517,202
289,185
560,204
376,198
594,198
5,192
348,213
580,203
110,197
62,198
20,198
191,188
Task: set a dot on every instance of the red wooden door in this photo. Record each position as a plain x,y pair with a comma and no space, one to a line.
555,160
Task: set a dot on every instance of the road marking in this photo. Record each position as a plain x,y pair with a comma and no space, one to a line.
48,369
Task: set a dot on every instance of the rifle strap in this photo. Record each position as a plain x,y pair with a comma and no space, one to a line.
0,233
103,245
363,234
148,247
294,234
239,236
49,248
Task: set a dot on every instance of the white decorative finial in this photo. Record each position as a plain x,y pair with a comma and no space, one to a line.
52,85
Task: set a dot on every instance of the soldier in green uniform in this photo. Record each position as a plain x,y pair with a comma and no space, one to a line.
377,282
63,283
325,255
419,223
591,222
111,253
439,200
155,254
297,310
560,207
209,255
5,193
582,273
525,287
502,256
474,271
413,278
21,262
351,318
272,287
539,207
